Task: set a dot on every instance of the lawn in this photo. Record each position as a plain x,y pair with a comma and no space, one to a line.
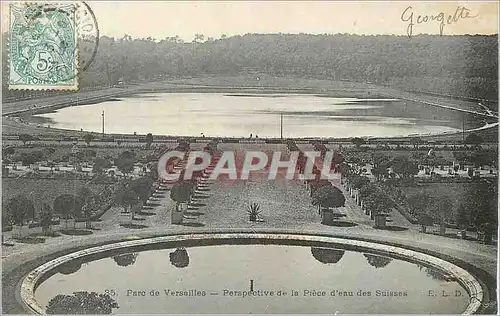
455,191
282,202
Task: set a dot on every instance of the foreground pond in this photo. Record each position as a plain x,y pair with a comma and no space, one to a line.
284,279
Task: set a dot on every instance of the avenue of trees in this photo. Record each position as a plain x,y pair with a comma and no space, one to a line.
20,210
457,65
83,205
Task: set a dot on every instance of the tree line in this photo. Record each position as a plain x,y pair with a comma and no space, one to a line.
458,65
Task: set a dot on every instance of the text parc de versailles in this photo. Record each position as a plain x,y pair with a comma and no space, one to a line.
304,293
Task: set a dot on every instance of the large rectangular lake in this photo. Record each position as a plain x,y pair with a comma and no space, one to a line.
239,115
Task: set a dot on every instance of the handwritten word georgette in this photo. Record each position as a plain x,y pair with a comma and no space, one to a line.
460,13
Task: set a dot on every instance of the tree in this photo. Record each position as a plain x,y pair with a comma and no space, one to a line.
358,181
127,60
51,165
319,146
26,138
47,151
327,255
380,164
126,259
463,219
179,258
100,164
181,192
404,167
183,145
82,303
368,190
358,141
70,267
142,187
127,155
377,261
480,158
126,198
8,151
46,218
473,139
345,170
68,206
7,219
380,172
88,138
420,204
432,161
481,202
415,141
149,140
21,209
125,165
153,171
198,38
461,157
316,184
435,274
89,209
83,194
441,210
328,196
377,203
27,159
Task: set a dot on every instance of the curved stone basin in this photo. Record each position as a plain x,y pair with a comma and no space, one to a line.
210,273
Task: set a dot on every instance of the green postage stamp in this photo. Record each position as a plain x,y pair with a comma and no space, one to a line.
43,50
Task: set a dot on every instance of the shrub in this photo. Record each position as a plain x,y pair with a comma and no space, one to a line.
253,211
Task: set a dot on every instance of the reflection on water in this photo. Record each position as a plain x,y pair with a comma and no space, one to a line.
377,261
82,302
125,259
217,269
216,114
70,267
327,255
435,274
179,258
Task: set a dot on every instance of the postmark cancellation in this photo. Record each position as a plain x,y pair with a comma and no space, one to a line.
43,50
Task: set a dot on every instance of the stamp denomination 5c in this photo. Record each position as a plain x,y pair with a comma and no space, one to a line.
43,50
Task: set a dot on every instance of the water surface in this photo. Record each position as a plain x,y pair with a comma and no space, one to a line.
204,277
236,115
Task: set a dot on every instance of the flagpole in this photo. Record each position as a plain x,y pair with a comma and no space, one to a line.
281,125
103,123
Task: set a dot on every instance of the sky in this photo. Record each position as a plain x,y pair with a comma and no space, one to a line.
160,19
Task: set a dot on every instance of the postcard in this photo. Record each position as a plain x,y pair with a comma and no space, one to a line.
249,157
